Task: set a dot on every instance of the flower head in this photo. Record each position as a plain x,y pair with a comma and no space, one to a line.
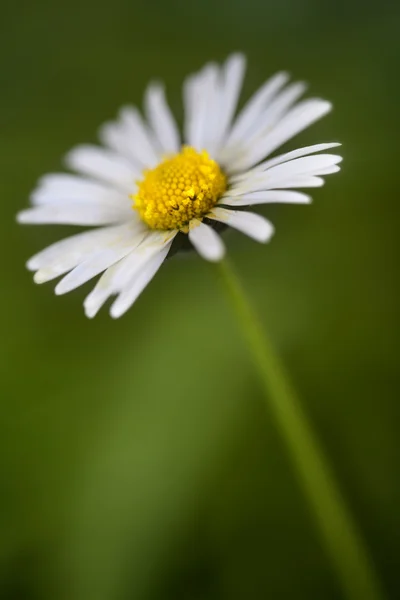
180,189
148,184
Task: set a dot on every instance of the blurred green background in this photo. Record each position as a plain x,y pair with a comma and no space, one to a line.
138,459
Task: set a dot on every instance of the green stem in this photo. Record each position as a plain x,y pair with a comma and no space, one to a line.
337,528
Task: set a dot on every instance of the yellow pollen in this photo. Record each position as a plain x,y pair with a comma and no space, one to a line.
181,188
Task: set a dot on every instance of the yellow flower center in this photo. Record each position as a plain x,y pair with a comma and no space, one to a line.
181,188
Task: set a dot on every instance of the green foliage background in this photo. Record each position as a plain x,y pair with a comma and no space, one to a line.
137,458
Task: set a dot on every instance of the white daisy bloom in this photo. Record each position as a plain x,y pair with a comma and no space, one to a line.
146,184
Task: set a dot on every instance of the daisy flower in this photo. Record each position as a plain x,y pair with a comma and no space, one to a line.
148,183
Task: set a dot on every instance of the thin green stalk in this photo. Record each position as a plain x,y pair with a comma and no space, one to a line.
339,533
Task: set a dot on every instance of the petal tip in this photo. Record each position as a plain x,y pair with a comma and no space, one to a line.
90,307
31,264
23,216
39,277
266,235
237,56
217,257
60,289
90,312
116,312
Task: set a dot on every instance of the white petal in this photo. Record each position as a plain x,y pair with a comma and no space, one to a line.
206,241
61,257
268,116
307,165
117,277
161,119
255,226
302,182
192,100
279,176
297,119
101,260
251,111
198,93
275,196
211,98
212,132
189,105
327,170
130,137
142,143
282,158
130,294
74,213
232,80
213,123
263,185
115,135
62,187
111,282
104,165
275,110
